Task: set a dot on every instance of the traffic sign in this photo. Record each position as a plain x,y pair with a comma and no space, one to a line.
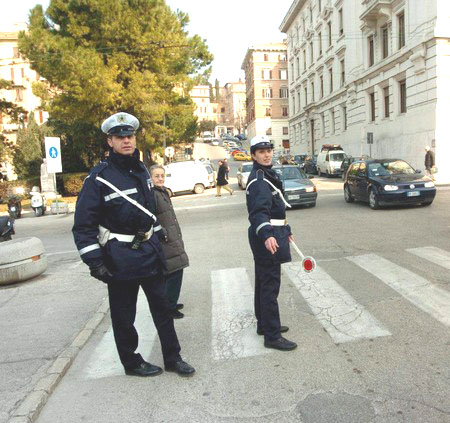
53,154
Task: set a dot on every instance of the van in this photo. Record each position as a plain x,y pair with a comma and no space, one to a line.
330,159
207,136
188,176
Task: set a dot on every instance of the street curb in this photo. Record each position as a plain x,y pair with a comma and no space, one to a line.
31,406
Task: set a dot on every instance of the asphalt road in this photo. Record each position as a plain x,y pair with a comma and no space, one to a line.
372,323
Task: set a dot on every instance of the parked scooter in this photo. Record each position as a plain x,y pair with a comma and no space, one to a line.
6,228
14,207
38,202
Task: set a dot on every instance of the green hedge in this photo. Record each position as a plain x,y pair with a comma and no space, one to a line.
70,184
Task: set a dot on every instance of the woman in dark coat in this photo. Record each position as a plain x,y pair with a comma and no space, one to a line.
222,180
173,247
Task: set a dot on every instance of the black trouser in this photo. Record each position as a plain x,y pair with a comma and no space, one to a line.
267,288
173,286
122,300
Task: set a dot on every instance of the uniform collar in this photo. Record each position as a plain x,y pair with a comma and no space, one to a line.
125,162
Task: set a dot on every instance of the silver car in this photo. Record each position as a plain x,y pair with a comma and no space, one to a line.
243,173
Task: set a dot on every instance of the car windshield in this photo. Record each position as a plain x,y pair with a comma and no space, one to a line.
290,173
247,168
394,167
338,157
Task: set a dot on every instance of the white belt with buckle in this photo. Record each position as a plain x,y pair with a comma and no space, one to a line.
104,235
278,222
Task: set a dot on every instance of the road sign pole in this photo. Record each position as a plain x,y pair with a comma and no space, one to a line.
56,194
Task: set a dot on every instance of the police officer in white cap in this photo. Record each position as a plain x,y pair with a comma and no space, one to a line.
269,236
117,236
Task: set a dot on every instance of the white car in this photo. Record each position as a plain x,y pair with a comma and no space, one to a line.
188,176
243,174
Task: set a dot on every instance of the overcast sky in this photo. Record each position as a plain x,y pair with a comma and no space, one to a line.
229,27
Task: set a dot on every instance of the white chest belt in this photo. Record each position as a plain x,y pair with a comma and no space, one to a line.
105,234
274,187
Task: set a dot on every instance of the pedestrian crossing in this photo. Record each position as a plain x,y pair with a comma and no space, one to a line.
233,326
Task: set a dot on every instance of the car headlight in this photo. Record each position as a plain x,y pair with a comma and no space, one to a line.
309,189
429,184
390,187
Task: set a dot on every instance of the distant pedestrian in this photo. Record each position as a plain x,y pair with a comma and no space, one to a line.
429,162
222,180
227,166
173,247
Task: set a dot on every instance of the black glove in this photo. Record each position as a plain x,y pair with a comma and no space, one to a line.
101,273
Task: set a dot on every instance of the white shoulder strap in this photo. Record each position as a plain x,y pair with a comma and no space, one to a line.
274,187
135,203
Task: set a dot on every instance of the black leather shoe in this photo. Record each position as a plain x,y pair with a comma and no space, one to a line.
176,314
281,344
180,367
283,329
179,306
145,369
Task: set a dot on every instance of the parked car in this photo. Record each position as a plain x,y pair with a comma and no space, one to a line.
387,182
234,151
243,174
298,188
215,141
330,159
309,166
300,158
348,161
189,176
242,156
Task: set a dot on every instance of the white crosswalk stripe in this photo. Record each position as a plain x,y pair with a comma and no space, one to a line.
233,323
433,254
428,297
104,360
342,317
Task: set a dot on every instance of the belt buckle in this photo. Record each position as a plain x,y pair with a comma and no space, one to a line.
285,221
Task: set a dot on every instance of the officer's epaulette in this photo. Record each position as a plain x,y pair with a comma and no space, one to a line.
259,174
98,169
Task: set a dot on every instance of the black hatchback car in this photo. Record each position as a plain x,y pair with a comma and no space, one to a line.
387,182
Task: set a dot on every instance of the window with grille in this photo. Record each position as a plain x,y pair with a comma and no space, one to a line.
403,108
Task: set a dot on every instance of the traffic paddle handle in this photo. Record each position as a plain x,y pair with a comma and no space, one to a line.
308,263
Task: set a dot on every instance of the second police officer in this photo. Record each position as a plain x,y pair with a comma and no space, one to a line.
269,236
115,231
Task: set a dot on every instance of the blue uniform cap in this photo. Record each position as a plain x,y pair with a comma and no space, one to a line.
120,124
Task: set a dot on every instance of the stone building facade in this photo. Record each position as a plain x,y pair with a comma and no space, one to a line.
381,67
266,82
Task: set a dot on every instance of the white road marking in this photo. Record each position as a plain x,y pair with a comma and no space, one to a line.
104,360
428,297
342,317
233,322
433,254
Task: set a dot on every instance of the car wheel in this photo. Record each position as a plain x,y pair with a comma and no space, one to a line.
347,195
199,189
373,200
427,203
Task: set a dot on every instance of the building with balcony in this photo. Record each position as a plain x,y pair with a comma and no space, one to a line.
234,100
17,70
266,79
359,67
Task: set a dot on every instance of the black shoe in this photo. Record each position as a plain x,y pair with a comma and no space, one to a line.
180,367
176,314
179,306
281,344
145,369
283,329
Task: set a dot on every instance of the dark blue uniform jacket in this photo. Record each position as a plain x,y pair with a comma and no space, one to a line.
264,203
98,204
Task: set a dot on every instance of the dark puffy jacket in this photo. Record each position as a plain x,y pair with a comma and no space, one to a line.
176,256
429,159
221,176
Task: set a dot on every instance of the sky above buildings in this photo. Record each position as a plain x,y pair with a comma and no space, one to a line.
229,27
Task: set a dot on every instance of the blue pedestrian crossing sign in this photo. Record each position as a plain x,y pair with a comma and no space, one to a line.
53,154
